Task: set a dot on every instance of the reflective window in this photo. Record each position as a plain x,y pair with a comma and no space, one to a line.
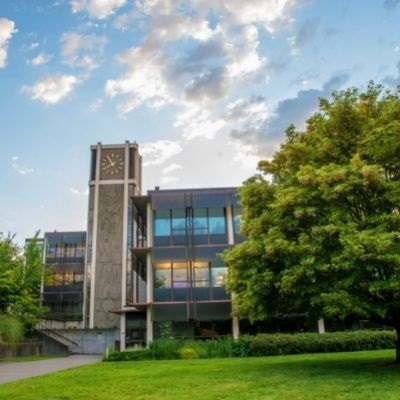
180,275
237,216
178,222
216,220
218,276
162,276
201,274
162,225
200,226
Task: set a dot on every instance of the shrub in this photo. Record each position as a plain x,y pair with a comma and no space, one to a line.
274,344
187,353
241,346
166,349
218,348
135,355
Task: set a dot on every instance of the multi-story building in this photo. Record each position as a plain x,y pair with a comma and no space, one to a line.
152,266
64,260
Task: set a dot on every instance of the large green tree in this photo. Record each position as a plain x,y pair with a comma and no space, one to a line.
322,219
20,278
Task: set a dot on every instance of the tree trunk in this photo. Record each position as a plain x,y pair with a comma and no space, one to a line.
398,345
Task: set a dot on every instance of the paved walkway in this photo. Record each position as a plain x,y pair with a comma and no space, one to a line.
12,371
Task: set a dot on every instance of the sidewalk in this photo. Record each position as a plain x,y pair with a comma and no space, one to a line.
12,371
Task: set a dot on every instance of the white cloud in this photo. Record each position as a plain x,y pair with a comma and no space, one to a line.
52,89
198,122
40,59
78,192
155,153
80,51
185,56
99,9
169,179
21,169
269,13
96,105
263,130
170,168
34,46
7,29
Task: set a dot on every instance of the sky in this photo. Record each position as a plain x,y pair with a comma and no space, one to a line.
205,87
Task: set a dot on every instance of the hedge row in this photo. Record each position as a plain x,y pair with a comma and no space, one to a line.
261,345
274,344
170,349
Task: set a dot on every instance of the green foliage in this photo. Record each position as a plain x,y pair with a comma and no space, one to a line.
241,346
166,349
11,329
300,343
172,349
188,353
131,355
260,345
20,278
322,219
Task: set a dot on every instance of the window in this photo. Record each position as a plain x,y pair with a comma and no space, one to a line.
178,222
201,274
200,226
162,276
180,275
162,223
216,221
237,216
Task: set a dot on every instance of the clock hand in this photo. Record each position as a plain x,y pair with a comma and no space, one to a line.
111,161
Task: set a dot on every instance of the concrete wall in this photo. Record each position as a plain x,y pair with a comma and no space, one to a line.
86,341
109,256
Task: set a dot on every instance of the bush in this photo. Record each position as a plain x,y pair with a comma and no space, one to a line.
187,353
274,344
132,355
241,346
261,345
166,349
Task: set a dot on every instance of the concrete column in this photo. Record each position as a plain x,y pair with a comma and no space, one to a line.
229,225
149,277
122,332
149,226
235,328
321,325
125,227
94,238
149,325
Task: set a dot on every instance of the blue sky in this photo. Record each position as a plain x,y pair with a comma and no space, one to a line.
206,87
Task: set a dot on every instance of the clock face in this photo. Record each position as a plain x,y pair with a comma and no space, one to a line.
112,163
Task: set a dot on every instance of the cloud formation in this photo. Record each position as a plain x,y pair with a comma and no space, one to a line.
52,89
264,131
21,169
78,192
40,59
156,153
81,51
7,29
198,52
99,9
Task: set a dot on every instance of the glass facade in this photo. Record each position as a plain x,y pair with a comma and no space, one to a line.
65,267
190,229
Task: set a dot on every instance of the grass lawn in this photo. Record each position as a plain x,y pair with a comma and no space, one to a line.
360,375
29,358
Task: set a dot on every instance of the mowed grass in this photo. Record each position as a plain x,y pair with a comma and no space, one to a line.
359,375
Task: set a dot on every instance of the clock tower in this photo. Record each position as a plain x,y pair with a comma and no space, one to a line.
115,177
